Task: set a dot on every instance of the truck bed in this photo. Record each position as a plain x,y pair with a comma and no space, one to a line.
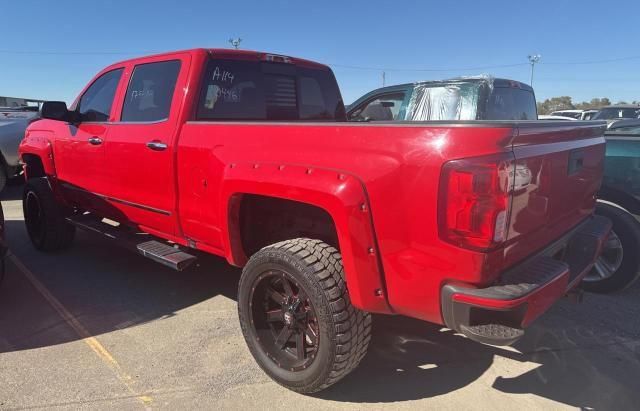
399,165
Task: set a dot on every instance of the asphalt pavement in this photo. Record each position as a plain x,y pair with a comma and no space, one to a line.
99,327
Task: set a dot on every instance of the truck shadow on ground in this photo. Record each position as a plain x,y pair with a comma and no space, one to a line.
575,365
105,287
571,358
13,189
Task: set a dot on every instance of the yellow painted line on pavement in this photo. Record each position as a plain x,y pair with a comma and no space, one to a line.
82,332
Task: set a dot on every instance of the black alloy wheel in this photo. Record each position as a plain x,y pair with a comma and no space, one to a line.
285,321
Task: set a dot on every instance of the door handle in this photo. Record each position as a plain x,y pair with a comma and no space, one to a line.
95,141
156,145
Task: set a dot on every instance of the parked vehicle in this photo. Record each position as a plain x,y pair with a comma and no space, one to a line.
13,123
619,200
589,114
554,117
479,226
575,114
618,112
466,98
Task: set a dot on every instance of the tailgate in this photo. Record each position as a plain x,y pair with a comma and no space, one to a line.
558,174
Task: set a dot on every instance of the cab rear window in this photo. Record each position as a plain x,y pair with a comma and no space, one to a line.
259,91
510,103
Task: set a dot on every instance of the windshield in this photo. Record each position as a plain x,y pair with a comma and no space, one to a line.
612,113
571,114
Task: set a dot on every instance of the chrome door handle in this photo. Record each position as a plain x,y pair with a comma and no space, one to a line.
95,141
156,145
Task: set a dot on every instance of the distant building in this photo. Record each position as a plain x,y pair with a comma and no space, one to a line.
18,102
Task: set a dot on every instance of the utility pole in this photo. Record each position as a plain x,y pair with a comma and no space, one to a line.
384,78
533,59
235,42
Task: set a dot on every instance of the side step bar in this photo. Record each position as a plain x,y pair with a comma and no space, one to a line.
165,254
160,252
494,334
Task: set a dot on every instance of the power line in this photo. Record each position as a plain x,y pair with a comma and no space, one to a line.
345,66
76,53
568,63
425,69
111,53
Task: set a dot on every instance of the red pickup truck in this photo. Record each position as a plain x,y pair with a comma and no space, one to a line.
476,225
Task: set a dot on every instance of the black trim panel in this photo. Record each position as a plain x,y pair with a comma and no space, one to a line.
543,124
118,200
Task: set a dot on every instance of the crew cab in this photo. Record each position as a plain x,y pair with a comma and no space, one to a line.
476,225
463,98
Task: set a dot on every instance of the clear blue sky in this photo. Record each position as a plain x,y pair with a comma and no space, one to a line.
379,34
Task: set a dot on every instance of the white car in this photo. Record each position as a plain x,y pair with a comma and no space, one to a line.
575,114
13,123
554,117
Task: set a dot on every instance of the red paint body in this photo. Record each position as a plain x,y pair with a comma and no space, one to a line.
379,183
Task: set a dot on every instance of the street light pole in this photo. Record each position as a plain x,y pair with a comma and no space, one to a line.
235,42
533,59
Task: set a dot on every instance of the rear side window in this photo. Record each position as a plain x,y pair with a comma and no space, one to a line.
510,103
382,108
150,91
612,113
95,104
444,101
255,91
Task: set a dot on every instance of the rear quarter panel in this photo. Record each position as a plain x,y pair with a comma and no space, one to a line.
398,166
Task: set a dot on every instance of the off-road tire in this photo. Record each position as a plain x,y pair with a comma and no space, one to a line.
48,230
627,229
345,331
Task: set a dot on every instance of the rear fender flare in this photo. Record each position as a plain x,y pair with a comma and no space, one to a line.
341,195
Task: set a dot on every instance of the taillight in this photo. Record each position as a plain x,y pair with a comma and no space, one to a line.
475,201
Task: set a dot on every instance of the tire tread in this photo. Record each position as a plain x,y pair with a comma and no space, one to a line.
352,326
59,234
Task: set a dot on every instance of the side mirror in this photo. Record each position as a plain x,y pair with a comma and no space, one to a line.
56,110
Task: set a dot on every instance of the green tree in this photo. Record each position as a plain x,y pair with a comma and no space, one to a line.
565,103
555,104
595,103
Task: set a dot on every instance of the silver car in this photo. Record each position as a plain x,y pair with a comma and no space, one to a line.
13,123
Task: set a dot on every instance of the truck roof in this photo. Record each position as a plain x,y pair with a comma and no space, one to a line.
496,82
231,54
622,106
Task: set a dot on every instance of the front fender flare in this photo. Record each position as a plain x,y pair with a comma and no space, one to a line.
341,195
40,146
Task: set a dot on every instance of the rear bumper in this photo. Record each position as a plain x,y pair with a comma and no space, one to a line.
498,314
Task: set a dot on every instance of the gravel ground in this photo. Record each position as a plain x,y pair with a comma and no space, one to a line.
99,327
